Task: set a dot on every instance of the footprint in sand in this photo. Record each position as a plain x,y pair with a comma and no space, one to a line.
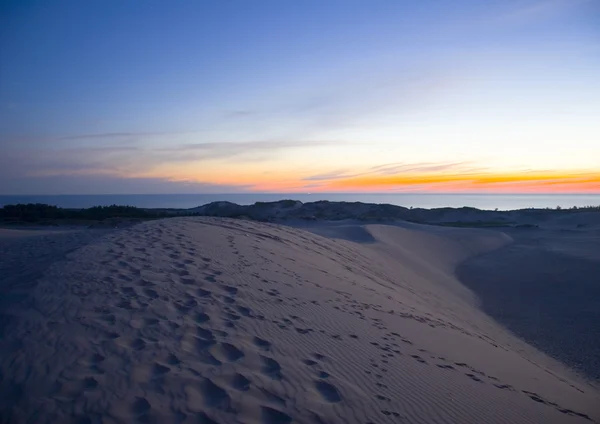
227,299
229,289
204,333
474,377
207,394
93,359
231,317
187,280
140,406
200,345
226,352
240,382
159,370
184,307
205,357
446,367
272,398
247,312
328,391
271,368
182,272
273,416
261,343
172,359
89,383
203,293
151,321
390,413
130,291
137,344
418,359
151,293
144,283
201,317
124,304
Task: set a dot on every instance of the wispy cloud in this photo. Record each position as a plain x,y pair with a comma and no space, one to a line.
258,150
24,141
536,10
123,160
115,135
396,168
332,175
482,180
110,184
420,168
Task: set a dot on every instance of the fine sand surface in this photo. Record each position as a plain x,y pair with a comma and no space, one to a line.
216,320
545,287
25,254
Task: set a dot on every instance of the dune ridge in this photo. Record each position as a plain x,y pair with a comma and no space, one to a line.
217,320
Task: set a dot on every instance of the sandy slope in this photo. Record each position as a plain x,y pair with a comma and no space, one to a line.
545,287
216,320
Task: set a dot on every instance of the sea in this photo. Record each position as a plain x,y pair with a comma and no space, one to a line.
415,200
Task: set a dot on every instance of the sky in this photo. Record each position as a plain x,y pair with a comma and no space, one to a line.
154,96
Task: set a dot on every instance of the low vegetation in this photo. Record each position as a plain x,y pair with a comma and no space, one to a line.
49,214
578,208
115,215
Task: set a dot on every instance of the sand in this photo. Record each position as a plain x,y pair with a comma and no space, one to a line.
215,320
25,254
545,287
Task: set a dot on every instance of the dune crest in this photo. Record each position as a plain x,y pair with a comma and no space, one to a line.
217,320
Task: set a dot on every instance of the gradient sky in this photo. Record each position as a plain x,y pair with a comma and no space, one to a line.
156,96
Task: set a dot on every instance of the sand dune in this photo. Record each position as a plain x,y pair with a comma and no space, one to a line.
215,320
545,287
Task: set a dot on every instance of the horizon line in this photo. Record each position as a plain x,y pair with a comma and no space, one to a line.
316,194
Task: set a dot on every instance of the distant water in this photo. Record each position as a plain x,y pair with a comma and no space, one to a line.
421,200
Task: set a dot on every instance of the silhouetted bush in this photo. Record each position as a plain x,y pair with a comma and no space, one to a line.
36,212
115,211
32,212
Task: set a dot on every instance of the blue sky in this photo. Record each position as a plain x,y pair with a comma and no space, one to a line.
220,96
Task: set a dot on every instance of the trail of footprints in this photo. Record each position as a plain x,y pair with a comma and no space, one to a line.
210,346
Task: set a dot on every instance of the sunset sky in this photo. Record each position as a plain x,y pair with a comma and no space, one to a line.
153,96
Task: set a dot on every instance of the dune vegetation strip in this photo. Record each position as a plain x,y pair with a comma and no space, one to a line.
289,210
48,214
217,320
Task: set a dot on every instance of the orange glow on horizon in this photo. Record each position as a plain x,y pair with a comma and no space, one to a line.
492,182
498,183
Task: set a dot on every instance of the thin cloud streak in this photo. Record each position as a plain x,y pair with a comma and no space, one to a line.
539,10
250,151
116,135
474,182
251,145
131,160
333,175
397,168
110,184
393,169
